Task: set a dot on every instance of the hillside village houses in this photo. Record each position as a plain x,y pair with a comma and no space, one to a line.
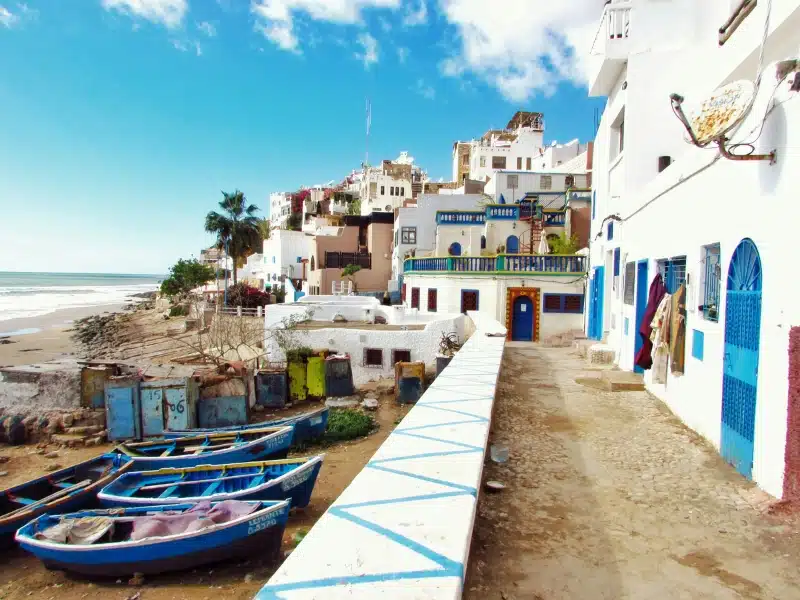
711,230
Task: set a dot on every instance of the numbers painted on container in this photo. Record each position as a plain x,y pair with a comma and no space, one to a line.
179,406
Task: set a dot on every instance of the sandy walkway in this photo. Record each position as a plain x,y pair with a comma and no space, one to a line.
610,497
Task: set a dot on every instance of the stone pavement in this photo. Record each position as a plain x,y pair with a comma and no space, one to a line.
610,496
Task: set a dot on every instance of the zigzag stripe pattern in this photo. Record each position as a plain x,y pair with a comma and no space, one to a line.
449,424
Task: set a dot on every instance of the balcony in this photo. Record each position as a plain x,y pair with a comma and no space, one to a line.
555,219
502,264
503,212
613,43
456,217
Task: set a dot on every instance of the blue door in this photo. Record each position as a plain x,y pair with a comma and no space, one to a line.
152,411
123,410
641,305
512,244
522,320
596,304
740,360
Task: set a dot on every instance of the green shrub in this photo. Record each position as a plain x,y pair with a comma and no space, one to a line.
348,424
299,354
179,310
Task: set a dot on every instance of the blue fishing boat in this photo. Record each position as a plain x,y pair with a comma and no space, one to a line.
209,449
61,491
155,539
288,479
307,426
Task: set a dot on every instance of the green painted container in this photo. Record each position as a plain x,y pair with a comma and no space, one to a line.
298,388
315,377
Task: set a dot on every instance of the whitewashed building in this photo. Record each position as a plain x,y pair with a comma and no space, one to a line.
389,186
285,256
280,208
724,228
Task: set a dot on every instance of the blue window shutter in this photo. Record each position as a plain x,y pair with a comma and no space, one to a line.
698,343
611,231
594,204
616,262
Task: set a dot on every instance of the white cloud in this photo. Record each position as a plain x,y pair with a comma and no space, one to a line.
521,50
369,45
402,54
386,26
7,18
275,18
165,12
424,89
207,28
418,16
183,46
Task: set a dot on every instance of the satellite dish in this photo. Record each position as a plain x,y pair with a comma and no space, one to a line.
723,111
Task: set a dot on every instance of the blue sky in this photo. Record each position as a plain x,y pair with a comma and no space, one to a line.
121,120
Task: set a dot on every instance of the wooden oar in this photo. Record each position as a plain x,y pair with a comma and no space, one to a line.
217,447
45,500
160,486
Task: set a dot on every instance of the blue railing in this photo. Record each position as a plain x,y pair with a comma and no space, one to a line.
502,263
509,212
460,218
555,219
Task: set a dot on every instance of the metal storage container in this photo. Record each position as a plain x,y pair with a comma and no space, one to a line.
123,408
225,411
409,380
168,404
339,376
272,388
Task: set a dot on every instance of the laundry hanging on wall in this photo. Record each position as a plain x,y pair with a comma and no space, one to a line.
657,290
677,343
660,338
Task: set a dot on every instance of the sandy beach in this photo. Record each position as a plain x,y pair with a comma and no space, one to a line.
43,338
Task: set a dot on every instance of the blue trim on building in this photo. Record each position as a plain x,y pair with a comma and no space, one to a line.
698,344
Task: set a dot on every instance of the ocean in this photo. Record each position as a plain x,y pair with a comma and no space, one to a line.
25,295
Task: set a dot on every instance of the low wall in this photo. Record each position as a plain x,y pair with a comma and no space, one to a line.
403,527
35,389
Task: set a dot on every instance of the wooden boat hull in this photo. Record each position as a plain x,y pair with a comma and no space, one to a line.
291,479
307,426
271,446
259,533
68,502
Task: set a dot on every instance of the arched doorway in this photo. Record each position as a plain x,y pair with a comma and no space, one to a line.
522,320
512,244
740,360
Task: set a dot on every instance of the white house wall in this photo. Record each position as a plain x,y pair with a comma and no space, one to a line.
493,295
701,200
469,236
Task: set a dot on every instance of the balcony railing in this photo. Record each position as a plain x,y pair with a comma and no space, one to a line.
500,264
339,260
615,25
558,219
454,217
508,212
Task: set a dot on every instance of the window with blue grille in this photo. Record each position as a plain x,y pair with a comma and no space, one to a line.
616,262
611,231
673,272
712,280
563,303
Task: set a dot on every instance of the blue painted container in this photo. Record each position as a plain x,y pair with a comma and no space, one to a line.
272,388
225,411
409,381
123,408
168,404
339,376
259,532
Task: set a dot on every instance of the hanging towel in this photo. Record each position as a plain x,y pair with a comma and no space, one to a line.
660,338
644,357
677,341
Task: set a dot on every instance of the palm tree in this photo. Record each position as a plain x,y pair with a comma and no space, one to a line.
237,227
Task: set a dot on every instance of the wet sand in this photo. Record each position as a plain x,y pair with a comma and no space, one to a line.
43,338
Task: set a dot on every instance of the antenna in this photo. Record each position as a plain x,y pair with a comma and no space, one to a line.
369,126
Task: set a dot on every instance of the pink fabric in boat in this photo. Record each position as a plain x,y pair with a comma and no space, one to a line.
198,517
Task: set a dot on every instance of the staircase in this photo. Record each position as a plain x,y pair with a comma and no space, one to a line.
531,238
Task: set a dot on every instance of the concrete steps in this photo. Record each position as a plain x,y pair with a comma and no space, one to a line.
612,381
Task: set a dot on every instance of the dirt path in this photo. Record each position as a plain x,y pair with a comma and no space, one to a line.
610,497
22,577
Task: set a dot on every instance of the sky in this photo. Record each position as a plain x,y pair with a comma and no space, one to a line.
121,121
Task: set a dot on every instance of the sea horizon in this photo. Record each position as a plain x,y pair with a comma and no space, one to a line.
25,294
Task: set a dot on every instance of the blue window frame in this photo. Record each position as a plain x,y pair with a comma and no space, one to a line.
698,343
712,282
673,272
563,303
594,204
616,262
610,230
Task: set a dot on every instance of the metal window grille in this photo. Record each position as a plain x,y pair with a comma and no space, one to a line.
713,280
401,356
373,357
562,303
415,297
513,181
673,272
630,283
552,303
546,182
610,231
616,262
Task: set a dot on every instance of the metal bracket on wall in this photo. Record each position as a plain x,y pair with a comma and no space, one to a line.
772,157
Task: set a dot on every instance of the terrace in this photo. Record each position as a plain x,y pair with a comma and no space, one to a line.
502,264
